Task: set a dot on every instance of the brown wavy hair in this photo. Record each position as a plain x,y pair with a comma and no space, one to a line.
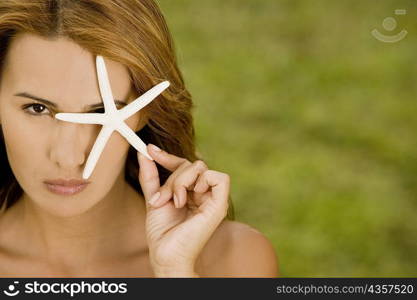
131,32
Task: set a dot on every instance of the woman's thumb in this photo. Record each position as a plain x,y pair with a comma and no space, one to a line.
148,177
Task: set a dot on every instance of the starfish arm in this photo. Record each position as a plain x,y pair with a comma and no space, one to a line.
95,153
143,100
133,139
81,118
104,85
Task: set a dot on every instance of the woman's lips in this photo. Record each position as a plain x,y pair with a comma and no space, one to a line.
66,187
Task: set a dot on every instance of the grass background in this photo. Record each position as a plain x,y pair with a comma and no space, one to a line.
315,121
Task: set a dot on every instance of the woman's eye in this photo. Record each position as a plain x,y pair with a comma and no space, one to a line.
36,109
99,110
40,109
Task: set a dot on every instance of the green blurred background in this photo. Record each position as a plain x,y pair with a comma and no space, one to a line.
315,121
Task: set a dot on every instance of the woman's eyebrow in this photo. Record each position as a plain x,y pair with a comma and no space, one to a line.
54,105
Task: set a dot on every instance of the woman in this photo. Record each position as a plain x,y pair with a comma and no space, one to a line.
134,217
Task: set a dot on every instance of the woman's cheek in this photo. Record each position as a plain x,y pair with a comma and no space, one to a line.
24,146
20,141
113,156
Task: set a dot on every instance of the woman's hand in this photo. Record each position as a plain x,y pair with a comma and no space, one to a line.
178,230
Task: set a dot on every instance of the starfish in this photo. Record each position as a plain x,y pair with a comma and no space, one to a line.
112,119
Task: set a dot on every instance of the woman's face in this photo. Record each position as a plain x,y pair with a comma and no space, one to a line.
40,147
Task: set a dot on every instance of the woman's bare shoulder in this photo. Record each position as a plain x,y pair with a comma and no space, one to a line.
238,250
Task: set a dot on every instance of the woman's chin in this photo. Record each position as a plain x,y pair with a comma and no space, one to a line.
67,206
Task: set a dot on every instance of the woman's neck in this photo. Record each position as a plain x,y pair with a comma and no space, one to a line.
74,243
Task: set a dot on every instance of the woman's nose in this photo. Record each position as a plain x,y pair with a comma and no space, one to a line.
69,146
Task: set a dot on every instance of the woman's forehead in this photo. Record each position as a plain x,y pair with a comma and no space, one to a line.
60,68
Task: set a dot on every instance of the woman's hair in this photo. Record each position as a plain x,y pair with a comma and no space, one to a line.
131,32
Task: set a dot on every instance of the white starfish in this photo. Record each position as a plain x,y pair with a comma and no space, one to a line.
112,118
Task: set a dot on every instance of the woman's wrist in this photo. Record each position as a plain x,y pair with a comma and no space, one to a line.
175,272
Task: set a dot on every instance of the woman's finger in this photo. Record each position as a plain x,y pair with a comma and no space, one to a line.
148,177
186,181
179,182
219,183
199,191
201,186
168,161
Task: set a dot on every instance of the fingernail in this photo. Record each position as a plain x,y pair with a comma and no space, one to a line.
142,157
154,198
155,148
176,201
196,187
